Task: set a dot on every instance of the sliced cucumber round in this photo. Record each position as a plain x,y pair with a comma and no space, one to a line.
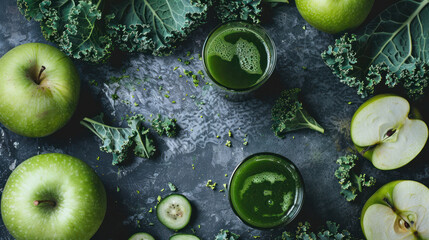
174,211
181,236
141,236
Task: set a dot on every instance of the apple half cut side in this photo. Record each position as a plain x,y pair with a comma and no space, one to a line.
397,211
383,133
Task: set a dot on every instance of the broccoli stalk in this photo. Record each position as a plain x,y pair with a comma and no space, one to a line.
288,114
350,182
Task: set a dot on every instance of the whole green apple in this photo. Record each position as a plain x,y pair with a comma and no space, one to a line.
39,89
333,16
53,196
383,133
397,211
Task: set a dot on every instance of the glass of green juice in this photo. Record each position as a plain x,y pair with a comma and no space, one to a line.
266,190
239,57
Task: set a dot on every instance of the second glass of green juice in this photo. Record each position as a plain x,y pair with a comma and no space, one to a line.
266,190
239,57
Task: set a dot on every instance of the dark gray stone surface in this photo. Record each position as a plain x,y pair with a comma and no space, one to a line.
140,181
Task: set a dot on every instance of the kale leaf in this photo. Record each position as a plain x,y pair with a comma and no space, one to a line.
303,232
119,141
91,29
165,126
246,10
350,182
288,114
226,235
393,50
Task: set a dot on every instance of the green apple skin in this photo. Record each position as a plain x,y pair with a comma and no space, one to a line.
385,192
77,190
333,16
33,106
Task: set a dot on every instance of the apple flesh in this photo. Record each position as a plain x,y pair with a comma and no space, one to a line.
383,133
39,89
333,16
53,196
397,211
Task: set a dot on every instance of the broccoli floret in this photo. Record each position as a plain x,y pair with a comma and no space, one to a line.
349,180
288,114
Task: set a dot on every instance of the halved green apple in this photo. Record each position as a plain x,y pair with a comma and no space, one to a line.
383,133
398,210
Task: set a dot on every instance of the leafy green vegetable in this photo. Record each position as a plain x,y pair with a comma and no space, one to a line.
349,180
303,232
289,115
247,10
165,126
119,141
89,29
392,50
226,235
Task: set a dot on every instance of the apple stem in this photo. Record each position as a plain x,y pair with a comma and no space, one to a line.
38,202
43,68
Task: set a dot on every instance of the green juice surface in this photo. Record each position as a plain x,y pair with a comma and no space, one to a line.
236,58
264,189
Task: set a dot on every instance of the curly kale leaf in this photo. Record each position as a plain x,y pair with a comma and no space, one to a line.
350,182
246,10
119,141
165,126
393,50
226,235
303,232
288,114
91,29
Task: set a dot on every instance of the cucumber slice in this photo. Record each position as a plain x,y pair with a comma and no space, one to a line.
174,211
141,236
182,236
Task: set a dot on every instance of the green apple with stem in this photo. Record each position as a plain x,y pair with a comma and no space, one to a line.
397,211
53,196
333,16
39,89
383,132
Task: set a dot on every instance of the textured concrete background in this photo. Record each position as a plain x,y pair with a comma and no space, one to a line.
140,181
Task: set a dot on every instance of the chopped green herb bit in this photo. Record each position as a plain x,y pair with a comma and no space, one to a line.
224,185
192,58
159,198
172,187
199,226
226,175
200,57
136,104
193,167
180,76
200,72
160,88
167,96
173,102
349,103
211,185
188,53
186,62
175,68
162,190
179,59
115,96
98,158
304,67
138,69
138,192
151,224
150,210
217,136
229,133
117,189
93,83
228,143
303,27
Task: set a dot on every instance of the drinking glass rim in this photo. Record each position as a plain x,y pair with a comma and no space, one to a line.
300,197
270,67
